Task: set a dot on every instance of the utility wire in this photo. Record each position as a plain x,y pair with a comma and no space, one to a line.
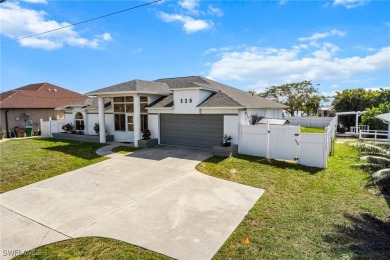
86,21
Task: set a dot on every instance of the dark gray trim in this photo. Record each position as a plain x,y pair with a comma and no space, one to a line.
98,113
156,114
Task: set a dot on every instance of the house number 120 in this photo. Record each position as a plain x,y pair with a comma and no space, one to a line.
185,100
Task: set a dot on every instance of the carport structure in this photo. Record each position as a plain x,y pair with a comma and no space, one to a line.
354,130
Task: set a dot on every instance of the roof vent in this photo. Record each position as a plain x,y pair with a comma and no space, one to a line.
55,90
48,89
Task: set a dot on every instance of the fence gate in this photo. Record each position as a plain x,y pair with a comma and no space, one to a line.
284,142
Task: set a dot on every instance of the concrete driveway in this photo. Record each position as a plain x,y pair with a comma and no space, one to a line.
153,198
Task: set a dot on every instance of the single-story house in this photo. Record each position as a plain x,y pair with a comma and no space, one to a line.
27,105
189,111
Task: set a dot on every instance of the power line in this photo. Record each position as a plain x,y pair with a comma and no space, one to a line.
89,20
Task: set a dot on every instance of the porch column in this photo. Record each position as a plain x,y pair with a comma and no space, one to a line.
102,123
357,123
137,119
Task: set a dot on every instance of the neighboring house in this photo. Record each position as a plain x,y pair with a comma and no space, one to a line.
27,105
190,111
325,112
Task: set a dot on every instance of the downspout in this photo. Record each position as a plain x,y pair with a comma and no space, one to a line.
6,123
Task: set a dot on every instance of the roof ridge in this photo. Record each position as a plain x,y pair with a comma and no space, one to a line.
225,92
178,77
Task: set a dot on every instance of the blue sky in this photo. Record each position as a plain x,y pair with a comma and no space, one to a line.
338,44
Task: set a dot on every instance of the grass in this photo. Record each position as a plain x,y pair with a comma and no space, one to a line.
125,149
26,161
312,130
91,248
305,213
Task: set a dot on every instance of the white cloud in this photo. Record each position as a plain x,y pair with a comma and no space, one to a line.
282,2
350,3
263,67
214,11
35,1
190,25
17,22
106,36
318,36
387,24
190,5
188,9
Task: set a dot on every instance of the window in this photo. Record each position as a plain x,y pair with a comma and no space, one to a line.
130,123
79,120
120,122
144,103
124,109
119,108
144,122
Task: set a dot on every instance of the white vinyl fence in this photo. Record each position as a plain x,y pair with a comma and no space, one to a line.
287,143
50,127
309,121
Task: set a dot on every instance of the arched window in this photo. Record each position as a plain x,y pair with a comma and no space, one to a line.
79,121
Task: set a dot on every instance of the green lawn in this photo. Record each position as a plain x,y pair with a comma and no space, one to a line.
125,149
91,248
312,130
26,161
306,213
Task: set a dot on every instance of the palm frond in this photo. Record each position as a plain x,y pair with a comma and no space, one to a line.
381,161
366,148
380,178
367,166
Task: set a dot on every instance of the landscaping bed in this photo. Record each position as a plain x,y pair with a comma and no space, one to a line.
81,138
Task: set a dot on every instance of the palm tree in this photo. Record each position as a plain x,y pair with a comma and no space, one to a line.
377,163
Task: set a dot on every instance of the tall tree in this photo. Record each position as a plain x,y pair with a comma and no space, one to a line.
375,123
353,100
300,96
382,98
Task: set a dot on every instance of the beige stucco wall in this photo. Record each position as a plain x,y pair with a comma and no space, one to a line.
33,120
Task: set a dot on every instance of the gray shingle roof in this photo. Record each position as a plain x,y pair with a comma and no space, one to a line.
162,102
242,98
134,85
225,96
219,99
89,103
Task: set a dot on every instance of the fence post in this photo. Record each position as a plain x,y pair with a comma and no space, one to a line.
267,152
297,146
325,149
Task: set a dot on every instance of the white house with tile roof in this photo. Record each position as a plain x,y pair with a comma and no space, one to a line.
188,111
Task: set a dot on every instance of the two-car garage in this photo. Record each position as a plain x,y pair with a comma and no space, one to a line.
191,130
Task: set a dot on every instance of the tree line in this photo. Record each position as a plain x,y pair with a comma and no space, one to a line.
306,98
